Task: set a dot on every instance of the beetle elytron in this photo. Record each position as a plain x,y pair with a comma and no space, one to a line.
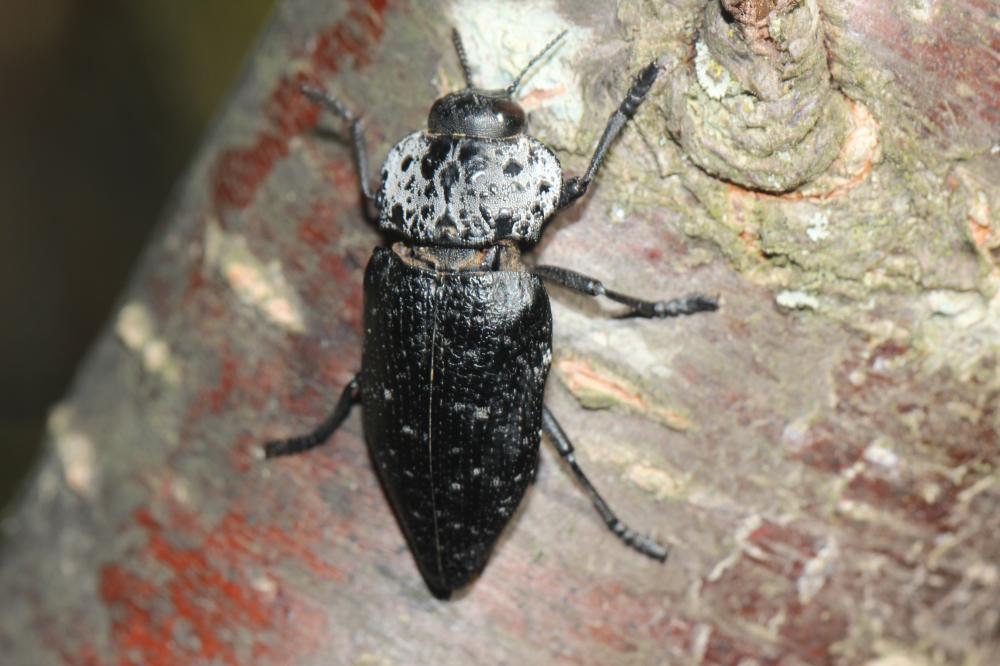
458,330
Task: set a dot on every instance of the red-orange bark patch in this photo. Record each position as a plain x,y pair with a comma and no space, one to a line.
239,172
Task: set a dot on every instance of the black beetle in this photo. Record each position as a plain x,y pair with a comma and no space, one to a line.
458,330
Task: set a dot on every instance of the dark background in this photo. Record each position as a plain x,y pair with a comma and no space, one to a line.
103,103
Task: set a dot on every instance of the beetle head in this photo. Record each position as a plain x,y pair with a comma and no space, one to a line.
477,113
482,114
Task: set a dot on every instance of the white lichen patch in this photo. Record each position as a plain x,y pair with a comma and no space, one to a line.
930,491
699,642
660,482
712,76
859,511
815,572
260,285
877,453
922,10
137,329
742,544
963,332
796,436
264,584
500,38
134,325
797,300
818,228
75,451
967,309
180,490
984,573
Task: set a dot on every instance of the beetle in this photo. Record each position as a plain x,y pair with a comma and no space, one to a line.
458,329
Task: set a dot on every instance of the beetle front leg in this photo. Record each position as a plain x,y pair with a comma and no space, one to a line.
576,187
334,106
637,307
644,545
286,447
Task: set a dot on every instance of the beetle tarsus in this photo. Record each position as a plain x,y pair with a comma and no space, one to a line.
286,447
644,545
677,307
564,447
576,187
583,284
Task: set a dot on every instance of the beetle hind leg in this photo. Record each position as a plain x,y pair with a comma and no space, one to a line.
643,544
286,447
582,284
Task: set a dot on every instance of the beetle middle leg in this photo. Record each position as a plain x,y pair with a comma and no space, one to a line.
637,307
286,447
644,545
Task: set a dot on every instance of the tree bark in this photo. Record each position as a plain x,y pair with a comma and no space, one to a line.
820,455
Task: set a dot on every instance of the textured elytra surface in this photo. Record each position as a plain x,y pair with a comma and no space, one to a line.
453,373
473,191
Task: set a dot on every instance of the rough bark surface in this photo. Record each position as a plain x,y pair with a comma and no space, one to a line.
821,454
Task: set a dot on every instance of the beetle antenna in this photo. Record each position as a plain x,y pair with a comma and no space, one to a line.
456,39
512,88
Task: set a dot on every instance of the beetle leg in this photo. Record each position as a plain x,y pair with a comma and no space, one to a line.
576,187
637,308
334,106
642,544
287,447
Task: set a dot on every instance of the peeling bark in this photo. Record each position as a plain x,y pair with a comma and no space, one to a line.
821,454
